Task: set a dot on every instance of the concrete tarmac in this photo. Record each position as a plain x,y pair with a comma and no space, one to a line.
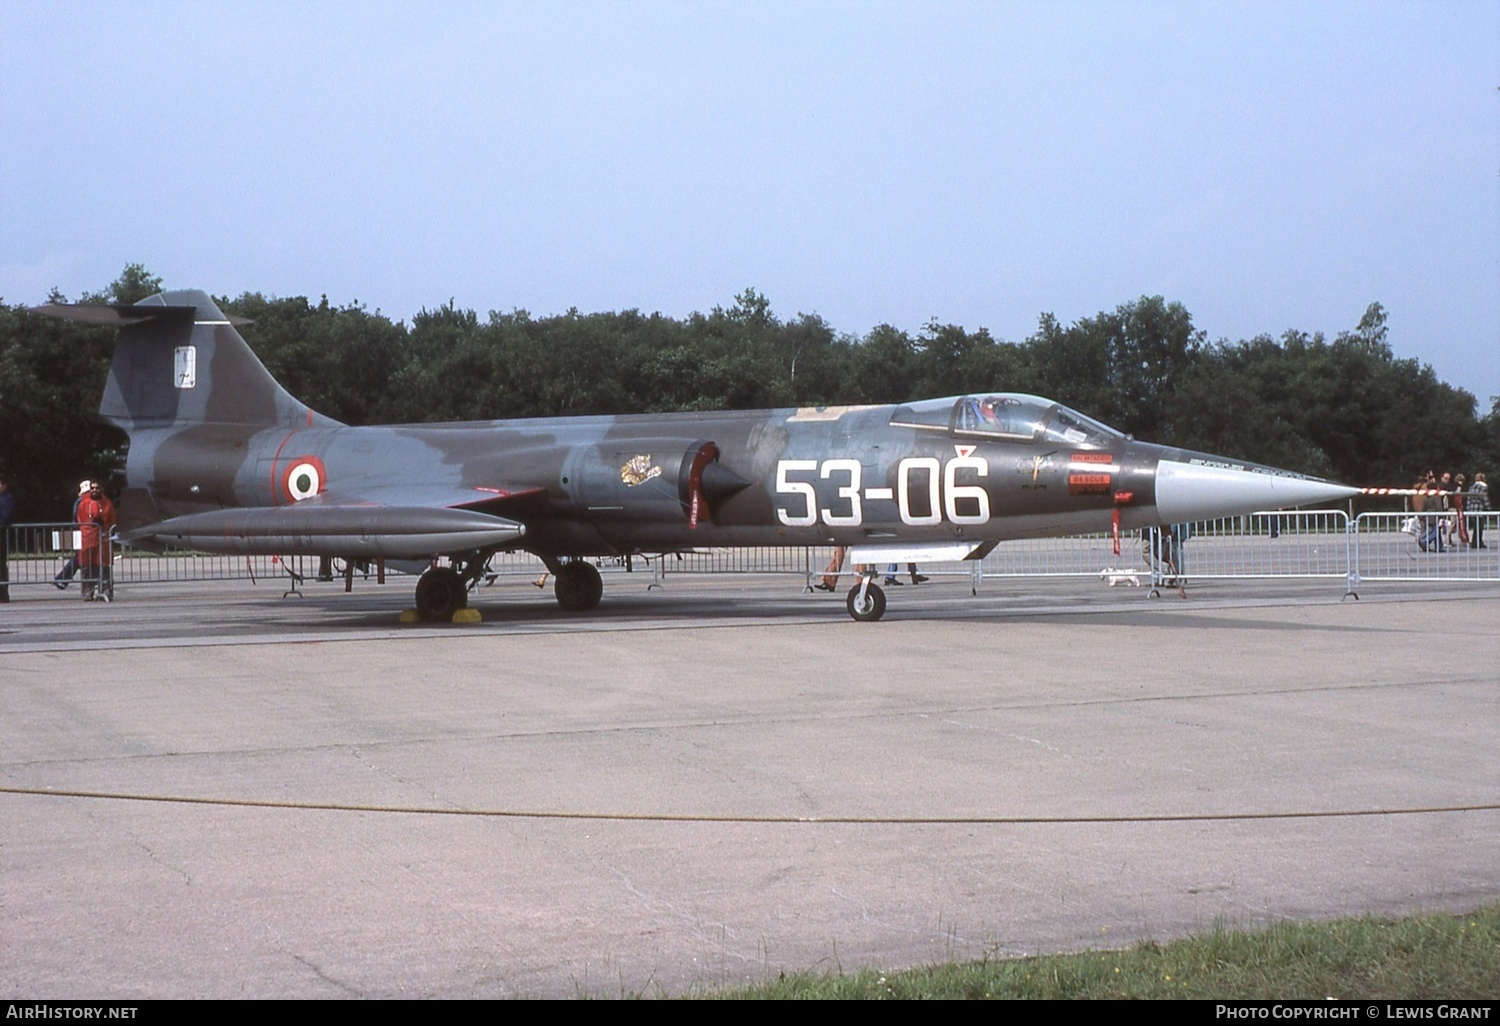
639,800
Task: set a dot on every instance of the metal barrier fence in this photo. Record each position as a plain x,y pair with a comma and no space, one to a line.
1260,546
1327,544
59,554
1314,544
1427,547
48,554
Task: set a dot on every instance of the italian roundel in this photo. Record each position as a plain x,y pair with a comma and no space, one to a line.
304,478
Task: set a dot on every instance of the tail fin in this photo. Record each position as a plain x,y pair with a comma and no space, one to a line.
179,360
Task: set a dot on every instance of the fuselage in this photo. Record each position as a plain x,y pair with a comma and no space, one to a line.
223,459
972,468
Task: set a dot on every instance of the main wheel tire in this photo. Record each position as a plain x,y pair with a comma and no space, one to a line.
440,594
579,587
873,606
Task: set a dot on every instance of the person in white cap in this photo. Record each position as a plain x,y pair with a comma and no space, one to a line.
64,577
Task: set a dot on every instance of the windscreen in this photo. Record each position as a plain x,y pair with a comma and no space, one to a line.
1010,415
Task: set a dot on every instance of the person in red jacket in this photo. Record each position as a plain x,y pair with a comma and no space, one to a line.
96,518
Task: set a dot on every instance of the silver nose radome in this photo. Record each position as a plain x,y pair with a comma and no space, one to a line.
1187,492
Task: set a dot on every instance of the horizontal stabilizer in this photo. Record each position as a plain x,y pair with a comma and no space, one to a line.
358,532
119,316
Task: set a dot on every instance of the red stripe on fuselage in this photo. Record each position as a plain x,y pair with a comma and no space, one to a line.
275,460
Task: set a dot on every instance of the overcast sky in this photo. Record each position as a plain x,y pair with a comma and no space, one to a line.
1269,166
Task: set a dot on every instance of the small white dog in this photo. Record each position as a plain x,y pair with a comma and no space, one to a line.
1119,577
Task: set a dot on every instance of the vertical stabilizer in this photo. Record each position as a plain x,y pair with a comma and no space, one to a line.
183,362
179,361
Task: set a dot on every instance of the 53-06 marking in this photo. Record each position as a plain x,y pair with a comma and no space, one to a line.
933,484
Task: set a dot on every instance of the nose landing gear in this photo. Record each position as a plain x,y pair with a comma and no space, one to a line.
866,602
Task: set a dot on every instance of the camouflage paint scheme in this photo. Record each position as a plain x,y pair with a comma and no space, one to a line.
222,458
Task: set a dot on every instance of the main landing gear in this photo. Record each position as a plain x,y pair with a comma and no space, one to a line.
441,592
579,587
444,590
866,601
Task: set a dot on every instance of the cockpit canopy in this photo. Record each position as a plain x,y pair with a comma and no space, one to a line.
1013,416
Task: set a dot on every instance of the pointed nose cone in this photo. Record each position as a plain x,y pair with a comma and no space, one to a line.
1190,489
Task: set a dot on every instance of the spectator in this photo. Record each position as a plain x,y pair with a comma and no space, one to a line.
1478,506
65,576
891,578
95,519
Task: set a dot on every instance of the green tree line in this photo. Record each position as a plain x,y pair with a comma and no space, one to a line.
1345,408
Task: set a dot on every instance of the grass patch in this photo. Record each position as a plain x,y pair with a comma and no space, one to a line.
1424,956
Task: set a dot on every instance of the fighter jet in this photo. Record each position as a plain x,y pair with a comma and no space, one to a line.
223,459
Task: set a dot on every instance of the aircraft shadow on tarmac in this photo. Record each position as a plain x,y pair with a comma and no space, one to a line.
700,607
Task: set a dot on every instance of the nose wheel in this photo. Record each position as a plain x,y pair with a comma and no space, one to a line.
866,602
